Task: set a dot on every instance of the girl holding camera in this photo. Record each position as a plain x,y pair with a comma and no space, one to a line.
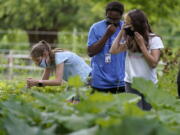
143,51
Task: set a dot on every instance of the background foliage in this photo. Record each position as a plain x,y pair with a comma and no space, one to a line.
45,111
65,15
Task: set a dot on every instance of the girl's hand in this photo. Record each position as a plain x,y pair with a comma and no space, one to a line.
31,82
139,40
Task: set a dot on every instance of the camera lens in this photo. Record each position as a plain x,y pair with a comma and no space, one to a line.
128,31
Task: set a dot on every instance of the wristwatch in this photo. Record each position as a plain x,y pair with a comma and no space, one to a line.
40,83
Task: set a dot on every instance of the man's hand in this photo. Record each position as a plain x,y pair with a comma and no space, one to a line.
98,46
111,29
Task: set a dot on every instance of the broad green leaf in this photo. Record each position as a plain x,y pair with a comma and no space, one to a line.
75,81
88,131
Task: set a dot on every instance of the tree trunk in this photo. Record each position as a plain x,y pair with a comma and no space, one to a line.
51,36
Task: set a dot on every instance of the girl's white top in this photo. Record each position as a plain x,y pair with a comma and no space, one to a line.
137,66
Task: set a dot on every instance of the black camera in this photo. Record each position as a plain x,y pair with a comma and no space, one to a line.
129,31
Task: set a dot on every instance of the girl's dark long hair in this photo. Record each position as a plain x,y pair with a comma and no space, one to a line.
140,24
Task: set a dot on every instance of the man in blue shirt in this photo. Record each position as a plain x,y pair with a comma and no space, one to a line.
108,70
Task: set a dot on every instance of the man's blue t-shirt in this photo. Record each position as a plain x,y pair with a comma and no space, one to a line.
106,75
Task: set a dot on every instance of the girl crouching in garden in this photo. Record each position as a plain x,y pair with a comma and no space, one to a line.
64,63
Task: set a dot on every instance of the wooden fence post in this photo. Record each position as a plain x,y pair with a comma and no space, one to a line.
74,42
10,65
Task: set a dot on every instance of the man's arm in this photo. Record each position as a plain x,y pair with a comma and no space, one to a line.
98,46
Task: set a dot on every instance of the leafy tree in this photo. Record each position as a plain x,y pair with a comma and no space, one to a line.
38,15
56,15
155,9
163,15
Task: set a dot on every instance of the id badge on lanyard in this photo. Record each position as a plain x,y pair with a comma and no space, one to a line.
107,58
108,55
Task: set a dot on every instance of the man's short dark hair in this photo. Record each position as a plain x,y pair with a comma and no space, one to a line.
115,6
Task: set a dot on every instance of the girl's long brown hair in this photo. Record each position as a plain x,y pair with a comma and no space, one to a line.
141,25
39,48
